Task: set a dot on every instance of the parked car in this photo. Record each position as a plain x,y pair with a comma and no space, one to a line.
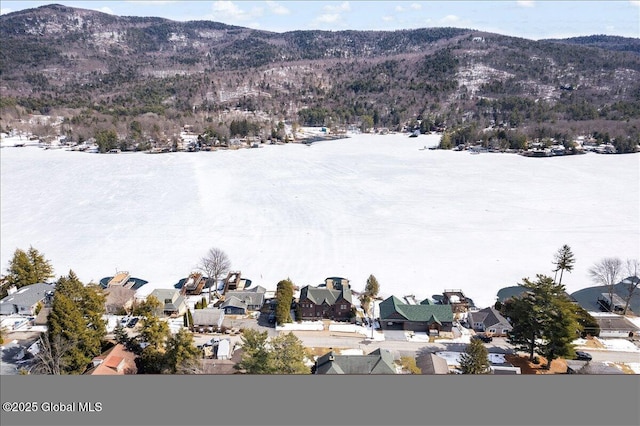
132,323
583,356
483,337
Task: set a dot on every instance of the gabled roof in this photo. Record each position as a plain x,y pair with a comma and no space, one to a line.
431,363
233,302
25,296
416,313
488,316
248,297
320,295
379,361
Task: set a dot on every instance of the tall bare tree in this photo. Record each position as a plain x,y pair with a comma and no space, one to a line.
51,356
631,283
215,263
607,273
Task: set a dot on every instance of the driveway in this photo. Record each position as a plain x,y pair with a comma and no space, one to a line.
395,335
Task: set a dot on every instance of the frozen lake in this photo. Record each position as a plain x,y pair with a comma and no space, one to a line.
419,220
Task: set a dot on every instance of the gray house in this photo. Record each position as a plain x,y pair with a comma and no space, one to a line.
379,361
25,300
234,306
173,304
208,317
253,299
489,320
431,363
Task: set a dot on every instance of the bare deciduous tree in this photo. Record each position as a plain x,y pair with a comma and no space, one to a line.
632,268
607,273
214,264
50,356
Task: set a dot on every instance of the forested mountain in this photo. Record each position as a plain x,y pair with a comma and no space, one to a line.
147,77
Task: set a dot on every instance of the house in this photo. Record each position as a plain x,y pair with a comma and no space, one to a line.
208,317
379,361
396,315
333,300
115,361
118,299
489,320
234,306
614,325
253,298
25,300
173,304
431,363
590,367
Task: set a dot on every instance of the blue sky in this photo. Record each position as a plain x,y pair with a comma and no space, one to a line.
533,19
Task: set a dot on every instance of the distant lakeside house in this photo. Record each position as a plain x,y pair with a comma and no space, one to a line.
331,300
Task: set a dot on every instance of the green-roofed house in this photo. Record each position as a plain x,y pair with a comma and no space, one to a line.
379,361
425,317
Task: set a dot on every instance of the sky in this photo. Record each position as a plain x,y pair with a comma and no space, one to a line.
532,19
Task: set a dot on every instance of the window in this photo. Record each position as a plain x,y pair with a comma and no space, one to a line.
492,330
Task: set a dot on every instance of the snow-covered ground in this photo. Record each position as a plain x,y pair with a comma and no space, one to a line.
419,220
620,345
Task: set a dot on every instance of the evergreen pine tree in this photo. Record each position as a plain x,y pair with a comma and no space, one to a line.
475,359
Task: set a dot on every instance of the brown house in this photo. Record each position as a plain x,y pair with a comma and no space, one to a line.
115,361
118,298
332,300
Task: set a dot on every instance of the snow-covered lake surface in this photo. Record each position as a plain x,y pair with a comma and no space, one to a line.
419,220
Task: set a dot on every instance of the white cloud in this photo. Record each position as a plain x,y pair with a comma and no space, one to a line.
342,7
328,18
450,20
400,9
416,6
277,8
635,2
388,18
4,10
526,3
229,11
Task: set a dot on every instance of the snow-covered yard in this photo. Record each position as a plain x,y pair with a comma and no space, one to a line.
620,345
369,204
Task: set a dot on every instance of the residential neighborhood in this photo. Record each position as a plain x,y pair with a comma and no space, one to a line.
339,334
